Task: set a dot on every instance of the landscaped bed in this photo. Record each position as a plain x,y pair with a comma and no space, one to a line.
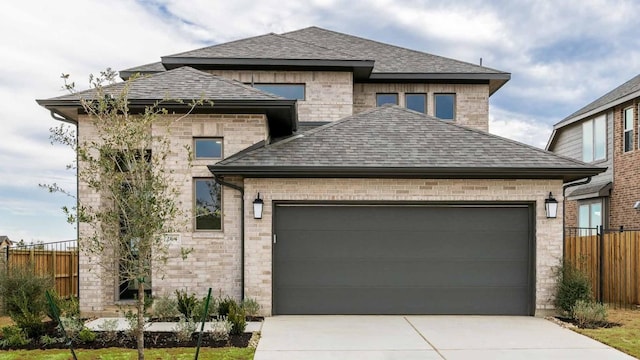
126,354
625,337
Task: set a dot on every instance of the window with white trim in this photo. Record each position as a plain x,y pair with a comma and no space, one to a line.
594,139
627,123
590,214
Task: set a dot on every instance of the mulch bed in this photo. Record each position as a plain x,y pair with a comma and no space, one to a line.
121,340
602,324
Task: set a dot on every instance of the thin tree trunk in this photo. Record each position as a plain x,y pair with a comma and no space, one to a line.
140,306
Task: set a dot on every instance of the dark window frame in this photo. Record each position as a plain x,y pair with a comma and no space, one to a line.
195,204
453,110
387,94
195,148
303,85
423,95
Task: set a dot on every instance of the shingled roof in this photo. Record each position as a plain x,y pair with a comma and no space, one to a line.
392,141
314,47
623,93
184,83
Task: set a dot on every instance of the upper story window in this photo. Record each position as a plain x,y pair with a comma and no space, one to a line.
287,91
382,99
594,139
207,204
445,106
207,148
416,102
639,127
627,121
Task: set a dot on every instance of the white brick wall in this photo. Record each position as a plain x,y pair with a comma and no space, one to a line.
472,101
215,261
329,94
258,276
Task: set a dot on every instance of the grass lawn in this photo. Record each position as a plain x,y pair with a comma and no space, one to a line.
122,354
625,337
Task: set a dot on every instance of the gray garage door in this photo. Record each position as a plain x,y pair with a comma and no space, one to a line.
387,259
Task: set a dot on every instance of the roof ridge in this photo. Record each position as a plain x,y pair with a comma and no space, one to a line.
581,110
214,45
395,46
319,46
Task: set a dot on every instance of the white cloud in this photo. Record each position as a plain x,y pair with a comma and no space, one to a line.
519,127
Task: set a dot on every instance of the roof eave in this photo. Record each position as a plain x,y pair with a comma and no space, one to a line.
496,80
565,174
171,62
599,109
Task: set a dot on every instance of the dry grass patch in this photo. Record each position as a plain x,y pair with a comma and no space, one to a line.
5,321
625,337
125,354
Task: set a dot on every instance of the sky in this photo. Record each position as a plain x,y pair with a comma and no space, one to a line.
561,55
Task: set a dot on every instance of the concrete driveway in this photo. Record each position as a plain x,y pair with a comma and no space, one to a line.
424,337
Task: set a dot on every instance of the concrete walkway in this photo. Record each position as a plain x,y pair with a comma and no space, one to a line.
424,337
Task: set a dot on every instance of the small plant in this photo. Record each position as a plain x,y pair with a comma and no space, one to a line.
72,326
132,324
589,314
237,318
184,329
165,307
23,293
110,329
199,309
67,307
251,307
572,285
225,304
86,335
13,336
220,329
186,303
47,340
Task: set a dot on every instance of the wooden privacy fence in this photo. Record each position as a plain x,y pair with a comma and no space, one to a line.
58,259
611,259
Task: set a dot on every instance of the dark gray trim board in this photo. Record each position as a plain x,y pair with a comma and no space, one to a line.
525,305
566,174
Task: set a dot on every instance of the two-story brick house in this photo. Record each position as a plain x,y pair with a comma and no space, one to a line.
605,132
382,191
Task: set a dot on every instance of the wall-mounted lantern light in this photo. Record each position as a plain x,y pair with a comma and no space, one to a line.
551,207
257,207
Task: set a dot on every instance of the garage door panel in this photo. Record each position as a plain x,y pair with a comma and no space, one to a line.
439,301
389,218
384,272
387,259
349,243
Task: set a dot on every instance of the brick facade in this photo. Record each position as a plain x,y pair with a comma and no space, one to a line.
258,233
328,94
626,171
215,260
472,101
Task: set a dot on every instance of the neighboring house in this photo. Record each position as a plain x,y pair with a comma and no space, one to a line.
5,242
605,133
372,205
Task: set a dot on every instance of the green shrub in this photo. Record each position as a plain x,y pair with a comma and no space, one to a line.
66,306
251,307
224,305
23,292
86,335
186,303
199,309
589,314
237,318
72,326
13,336
165,307
47,340
220,329
184,329
572,285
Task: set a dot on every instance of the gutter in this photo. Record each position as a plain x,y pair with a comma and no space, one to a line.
221,182
564,208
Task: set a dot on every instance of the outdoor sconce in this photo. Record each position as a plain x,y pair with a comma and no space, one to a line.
551,207
257,207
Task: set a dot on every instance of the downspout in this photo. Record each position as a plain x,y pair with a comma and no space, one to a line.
564,207
221,182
